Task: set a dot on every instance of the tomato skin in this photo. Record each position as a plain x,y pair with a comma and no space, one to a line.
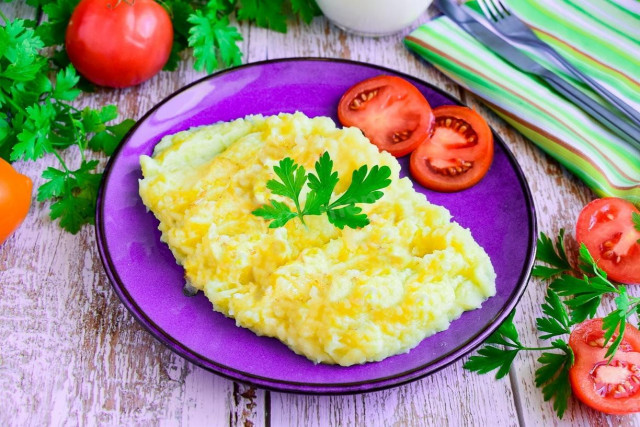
15,199
393,114
583,372
461,143
119,43
608,222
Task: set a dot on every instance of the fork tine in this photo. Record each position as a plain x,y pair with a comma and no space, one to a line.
495,9
503,7
487,11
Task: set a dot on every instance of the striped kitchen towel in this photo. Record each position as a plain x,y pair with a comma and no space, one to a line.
601,37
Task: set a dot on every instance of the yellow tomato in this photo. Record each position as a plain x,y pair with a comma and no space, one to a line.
15,199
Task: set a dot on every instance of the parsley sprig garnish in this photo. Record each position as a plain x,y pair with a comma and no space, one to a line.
364,188
569,301
553,373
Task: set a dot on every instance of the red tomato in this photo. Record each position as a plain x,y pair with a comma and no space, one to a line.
612,388
119,43
606,228
15,199
390,111
458,153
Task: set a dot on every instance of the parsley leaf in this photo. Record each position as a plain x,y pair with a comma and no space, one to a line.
506,334
322,185
213,40
293,177
179,11
556,257
34,137
615,323
55,186
635,217
557,323
20,48
364,188
74,194
66,80
107,137
586,295
490,357
350,216
265,13
553,376
306,9
279,213
52,31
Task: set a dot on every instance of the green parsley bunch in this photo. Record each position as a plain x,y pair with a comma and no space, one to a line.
570,300
37,118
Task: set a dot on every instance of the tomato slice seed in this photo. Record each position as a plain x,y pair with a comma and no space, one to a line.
617,379
360,100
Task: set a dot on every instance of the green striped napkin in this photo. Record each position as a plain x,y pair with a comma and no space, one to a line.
600,37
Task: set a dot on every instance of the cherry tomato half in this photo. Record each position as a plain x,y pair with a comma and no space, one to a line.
390,111
15,199
458,153
119,43
606,228
613,387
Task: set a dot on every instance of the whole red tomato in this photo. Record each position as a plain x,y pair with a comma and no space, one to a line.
119,43
15,199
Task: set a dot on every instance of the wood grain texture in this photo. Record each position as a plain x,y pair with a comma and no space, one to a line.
72,355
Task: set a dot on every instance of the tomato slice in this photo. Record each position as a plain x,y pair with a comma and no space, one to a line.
613,387
606,228
390,111
458,153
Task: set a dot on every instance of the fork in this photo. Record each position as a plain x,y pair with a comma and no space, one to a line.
514,29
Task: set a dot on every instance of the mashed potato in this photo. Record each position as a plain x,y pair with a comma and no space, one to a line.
335,296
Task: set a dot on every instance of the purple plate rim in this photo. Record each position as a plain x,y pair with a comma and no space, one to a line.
371,385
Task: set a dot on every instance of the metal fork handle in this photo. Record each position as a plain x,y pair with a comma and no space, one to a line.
622,128
460,16
624,108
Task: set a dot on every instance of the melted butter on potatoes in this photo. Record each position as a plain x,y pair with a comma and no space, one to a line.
335,296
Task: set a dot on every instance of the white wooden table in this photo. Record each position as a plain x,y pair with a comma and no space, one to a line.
71,354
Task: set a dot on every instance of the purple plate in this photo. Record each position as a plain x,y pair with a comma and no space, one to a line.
499,211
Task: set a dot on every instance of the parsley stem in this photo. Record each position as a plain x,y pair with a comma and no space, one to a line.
15,105
68,107
300,213
4,17
536,348
64,165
